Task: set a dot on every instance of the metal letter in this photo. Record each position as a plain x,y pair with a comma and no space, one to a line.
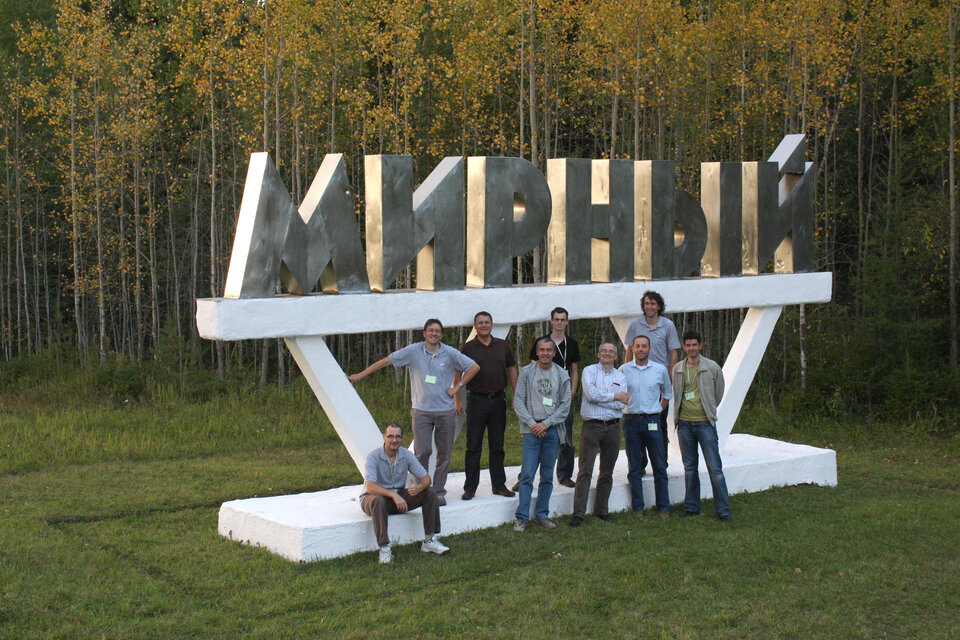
721,196
568,249
508,212
323,241
783,231
439,206
688,252
654,201
612,213
265,212
401,222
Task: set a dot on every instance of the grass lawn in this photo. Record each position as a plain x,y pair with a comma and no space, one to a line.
123,544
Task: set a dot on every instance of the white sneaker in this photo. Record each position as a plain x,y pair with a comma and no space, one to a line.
386,555
519,525
433,545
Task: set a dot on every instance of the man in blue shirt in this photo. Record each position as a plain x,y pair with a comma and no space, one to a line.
432,365
385,493
650,393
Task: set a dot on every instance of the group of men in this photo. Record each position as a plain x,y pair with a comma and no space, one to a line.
634,397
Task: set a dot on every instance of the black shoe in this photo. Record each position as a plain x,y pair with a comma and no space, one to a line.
567,482
441,501
467,495
687,514
724,518
606,517
576,521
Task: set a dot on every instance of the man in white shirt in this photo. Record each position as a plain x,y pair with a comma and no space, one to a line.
604,396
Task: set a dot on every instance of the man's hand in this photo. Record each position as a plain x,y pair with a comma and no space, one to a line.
458,406
623,397
539,430
400,502
452,391
414,488
356,377
664,403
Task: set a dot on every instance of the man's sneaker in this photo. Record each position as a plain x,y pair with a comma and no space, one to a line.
575,521
441,501
519,525
606,517
433,545
516,487
386,555
664,514
547,523
724,518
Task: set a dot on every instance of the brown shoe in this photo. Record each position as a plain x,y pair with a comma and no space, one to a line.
516,487
467,495
503,491
665,514
567,482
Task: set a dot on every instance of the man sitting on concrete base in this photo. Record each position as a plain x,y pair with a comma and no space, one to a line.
385,493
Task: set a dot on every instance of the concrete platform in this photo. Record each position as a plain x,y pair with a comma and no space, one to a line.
330,524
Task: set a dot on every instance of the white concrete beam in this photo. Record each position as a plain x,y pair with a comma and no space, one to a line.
286,316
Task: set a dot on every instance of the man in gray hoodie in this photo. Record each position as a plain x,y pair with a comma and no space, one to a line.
541,402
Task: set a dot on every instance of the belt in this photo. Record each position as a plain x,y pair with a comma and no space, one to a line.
495,394
604,422
640,415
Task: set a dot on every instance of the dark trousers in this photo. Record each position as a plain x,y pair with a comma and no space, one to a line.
666,442
485,413
642,432
605,438
567,450
379,507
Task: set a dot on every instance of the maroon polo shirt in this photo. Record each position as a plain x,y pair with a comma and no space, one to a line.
493,360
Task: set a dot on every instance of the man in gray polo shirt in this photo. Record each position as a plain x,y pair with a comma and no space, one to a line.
385,492
432,365
664,346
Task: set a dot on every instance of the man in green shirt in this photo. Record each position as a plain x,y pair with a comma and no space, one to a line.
698,388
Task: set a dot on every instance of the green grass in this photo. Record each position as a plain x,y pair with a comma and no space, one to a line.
110,534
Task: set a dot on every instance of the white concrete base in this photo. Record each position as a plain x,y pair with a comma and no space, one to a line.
330,524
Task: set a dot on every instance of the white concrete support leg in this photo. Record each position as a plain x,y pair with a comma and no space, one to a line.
349,416
741,365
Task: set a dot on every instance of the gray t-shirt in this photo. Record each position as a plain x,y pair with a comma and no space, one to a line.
391,475
663,337
431,374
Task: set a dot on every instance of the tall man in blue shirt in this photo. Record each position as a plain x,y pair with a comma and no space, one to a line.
432,365
650,393
604,396
385,493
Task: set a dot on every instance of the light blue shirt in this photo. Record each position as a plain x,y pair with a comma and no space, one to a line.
431,374
647,385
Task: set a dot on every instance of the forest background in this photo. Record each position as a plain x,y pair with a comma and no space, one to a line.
127,128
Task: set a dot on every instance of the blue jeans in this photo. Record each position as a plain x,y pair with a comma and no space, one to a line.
704,434
639,437
542,453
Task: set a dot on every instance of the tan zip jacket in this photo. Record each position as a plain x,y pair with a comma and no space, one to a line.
709,383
